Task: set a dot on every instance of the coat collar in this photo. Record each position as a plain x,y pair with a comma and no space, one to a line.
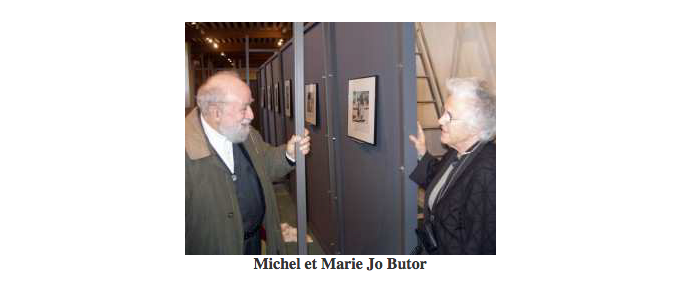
460,168
195,142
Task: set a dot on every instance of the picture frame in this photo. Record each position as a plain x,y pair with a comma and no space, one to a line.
268,95
287,99
262,97
361,109
310,103
277,99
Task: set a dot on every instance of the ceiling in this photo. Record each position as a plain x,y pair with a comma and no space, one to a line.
230,40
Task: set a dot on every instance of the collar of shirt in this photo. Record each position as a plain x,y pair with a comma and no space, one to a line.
222,145
470,150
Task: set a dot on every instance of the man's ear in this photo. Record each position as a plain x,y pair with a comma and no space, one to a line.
215,113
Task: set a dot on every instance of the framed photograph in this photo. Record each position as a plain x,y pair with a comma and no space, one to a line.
361,109
273,97
268,95
311,104
277,99
261,97
287,98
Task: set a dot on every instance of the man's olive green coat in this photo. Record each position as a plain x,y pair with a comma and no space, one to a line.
213,219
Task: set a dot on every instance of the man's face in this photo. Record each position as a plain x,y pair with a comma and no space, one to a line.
455,122
236,114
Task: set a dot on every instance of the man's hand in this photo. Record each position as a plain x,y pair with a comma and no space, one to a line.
418,141
304,143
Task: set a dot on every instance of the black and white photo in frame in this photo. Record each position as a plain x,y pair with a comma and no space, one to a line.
261,97
276,96
311,104
361,109
268,95
287,98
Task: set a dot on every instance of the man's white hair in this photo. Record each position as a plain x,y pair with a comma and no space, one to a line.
209,94
484,115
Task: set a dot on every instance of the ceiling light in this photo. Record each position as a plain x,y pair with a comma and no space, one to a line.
209,40
215,45
222,54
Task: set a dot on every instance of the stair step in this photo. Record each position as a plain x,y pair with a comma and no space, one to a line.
425,102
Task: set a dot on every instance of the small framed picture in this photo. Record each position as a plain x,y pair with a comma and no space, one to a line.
261,97
277,99
268,95
361,109
287,98
311,104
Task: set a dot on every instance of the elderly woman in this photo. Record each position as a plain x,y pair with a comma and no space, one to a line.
460,188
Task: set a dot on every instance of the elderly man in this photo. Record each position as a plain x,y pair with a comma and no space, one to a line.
460,188
229,173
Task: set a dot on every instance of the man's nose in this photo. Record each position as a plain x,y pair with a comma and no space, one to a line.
249,113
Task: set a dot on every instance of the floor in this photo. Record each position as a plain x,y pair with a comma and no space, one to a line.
287,213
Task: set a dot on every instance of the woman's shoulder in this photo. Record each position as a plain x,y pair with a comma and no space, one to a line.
487,158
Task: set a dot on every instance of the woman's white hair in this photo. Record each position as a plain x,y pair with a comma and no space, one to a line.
485,114
210,94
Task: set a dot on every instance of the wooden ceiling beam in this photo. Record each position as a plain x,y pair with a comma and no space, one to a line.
237,33
229,47
225,64
236,58
242,55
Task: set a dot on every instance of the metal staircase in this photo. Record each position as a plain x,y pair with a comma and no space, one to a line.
425,58
429,121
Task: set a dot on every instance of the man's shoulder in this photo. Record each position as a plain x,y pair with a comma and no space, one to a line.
254,138
254,132
195,143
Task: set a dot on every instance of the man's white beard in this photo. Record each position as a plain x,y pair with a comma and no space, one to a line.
236,133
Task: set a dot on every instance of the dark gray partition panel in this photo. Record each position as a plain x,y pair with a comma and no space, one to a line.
254,89
263,111
407,90
279,120
287,72
378,201
321,203
258,123
271,127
